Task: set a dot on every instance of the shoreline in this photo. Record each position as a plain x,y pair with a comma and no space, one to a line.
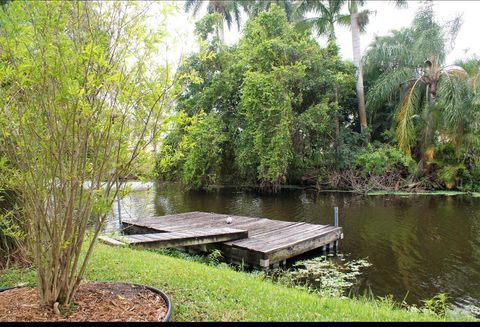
253,188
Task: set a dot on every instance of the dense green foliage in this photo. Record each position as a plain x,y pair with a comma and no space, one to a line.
203,293
433,107
383,160
287,111
276,97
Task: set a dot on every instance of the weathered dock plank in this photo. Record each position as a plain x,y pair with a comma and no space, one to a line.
111,241
269,242
185,237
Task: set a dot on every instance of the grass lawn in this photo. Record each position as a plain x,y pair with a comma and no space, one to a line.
205,293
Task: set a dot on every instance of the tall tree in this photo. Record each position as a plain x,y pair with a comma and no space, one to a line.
230,11
412,69
326,14
277,93
329,13
358,20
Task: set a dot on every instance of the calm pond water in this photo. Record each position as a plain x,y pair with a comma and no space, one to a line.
419,244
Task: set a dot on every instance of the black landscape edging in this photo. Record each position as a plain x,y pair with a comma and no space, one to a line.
153,289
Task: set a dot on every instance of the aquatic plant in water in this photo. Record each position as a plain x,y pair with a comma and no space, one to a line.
323,275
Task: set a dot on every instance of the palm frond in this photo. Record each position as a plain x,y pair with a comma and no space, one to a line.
308,6
456,98
319,25
344,20
405,130
336,5
454,70
236,13
364,18
388,84
193,5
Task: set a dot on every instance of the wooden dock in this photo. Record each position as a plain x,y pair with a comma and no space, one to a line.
185,237
269,242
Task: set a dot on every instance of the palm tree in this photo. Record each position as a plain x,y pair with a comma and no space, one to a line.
355,23
254,7
230,10
411,65
326,15
463,121
358,21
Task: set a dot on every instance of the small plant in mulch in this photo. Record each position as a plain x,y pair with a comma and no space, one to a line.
94,301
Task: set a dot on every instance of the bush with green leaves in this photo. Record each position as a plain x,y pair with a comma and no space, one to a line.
11,235
202,146
455,168
438,304
193,152
383,160
82,101
278,96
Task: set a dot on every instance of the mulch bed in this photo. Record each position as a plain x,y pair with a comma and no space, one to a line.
94,301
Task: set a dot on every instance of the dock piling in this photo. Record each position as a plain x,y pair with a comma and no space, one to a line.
335,216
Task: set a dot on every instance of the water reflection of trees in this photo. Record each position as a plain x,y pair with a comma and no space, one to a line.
421,244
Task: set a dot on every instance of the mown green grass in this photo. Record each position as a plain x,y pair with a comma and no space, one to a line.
204,293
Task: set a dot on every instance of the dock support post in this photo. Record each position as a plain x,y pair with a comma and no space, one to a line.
335,216
264,263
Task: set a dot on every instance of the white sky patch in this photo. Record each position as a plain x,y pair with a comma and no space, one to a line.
181,25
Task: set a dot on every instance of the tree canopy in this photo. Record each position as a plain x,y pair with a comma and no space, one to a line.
275,93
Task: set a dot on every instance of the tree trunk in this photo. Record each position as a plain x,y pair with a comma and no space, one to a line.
357,61
221,32
331,33
337,141
427,137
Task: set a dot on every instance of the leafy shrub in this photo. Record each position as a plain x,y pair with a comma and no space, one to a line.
194,155
169,161
437,304
12,248
203,144
11,234
266,140
474,180
383,160
452,168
